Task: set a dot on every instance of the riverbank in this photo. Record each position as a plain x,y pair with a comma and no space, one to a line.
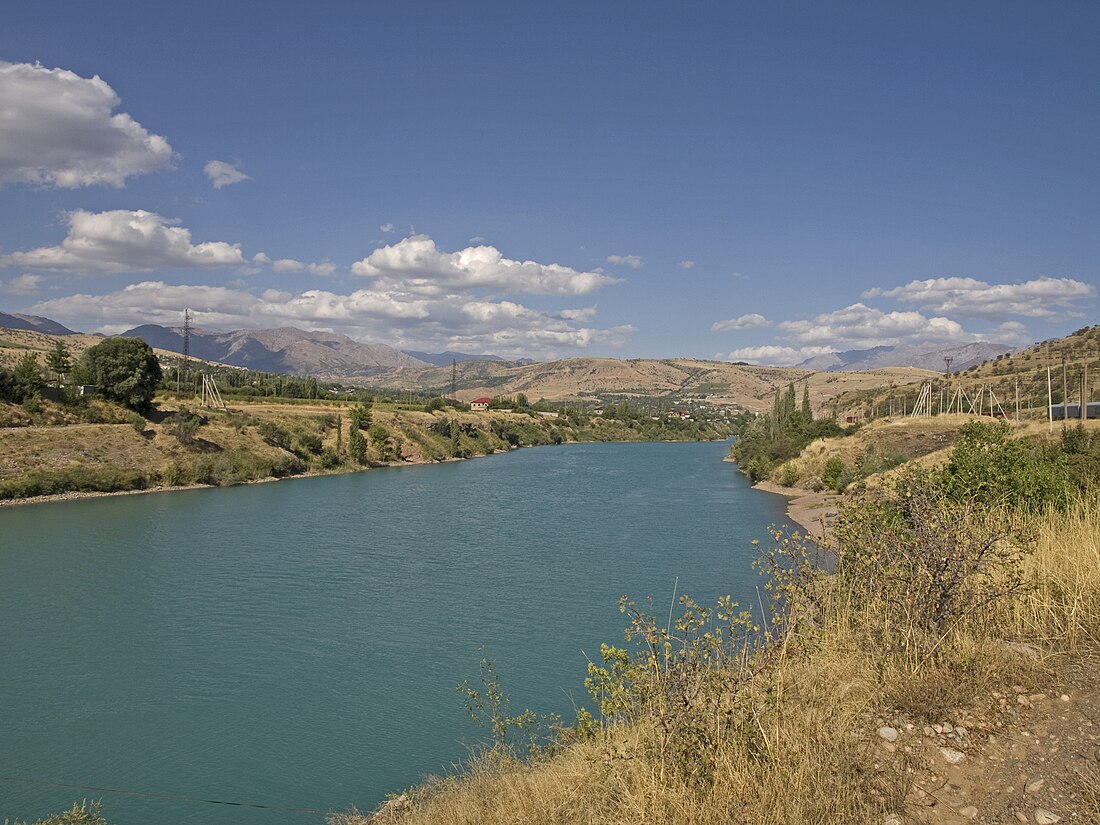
814,512
270,441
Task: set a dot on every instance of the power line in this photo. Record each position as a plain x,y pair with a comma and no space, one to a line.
156,795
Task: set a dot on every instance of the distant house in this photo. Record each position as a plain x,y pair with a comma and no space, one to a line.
87,389
480,404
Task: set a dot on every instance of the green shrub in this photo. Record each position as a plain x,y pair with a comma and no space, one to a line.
788,474
831,474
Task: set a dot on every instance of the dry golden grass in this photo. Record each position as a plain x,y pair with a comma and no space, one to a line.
1063,608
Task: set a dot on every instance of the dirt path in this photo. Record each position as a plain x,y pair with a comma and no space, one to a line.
1030,754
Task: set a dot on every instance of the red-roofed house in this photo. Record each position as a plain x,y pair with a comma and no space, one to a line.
480,404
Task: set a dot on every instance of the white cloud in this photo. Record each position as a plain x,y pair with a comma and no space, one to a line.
386,227
325,268
22,285
223,173
57,129
633,261
776,356
1042,297
750,321
687,264
737,276
860,327
125,241
452,321
416,264
287,265
476,239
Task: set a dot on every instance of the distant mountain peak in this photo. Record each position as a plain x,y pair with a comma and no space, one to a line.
34,323
441,359
962,356
284,349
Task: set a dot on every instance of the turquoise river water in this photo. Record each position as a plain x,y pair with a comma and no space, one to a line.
297,645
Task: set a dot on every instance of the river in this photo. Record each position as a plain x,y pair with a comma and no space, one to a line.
297,645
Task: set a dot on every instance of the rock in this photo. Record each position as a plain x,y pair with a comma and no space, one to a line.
953,756
1036,697
1021,816
1045,817
893,819
1064,697
889,734
1025,650
1023,700
890,747
1034,786
970,812
946,727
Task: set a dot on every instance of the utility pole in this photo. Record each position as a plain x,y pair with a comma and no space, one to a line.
947,359
187,342
454,378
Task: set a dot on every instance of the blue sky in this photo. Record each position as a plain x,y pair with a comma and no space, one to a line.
756,182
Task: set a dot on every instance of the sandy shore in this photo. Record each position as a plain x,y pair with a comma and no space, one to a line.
813,512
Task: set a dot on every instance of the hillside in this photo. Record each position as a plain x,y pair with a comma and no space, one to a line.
590,379
1023,372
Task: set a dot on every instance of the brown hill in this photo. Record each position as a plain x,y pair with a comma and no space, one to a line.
590,379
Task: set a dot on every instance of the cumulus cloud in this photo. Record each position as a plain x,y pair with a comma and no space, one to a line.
860,327
687,264
287,265
633,261
57,129
1042,297
125,241
416,264
22,285
776,356
749,321
405,319
223,173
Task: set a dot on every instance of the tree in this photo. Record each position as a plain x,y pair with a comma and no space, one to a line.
124,369
27,377
59,361
807,412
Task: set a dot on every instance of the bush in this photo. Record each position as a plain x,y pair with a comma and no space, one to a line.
72,480
832,472
788,474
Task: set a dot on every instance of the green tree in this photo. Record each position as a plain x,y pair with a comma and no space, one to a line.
807,412
124,369
59,361
27,378
357,446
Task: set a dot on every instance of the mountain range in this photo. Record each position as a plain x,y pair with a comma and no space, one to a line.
962,357
33,323
443,359
285,349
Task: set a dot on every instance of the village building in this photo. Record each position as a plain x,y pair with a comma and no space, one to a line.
480,404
